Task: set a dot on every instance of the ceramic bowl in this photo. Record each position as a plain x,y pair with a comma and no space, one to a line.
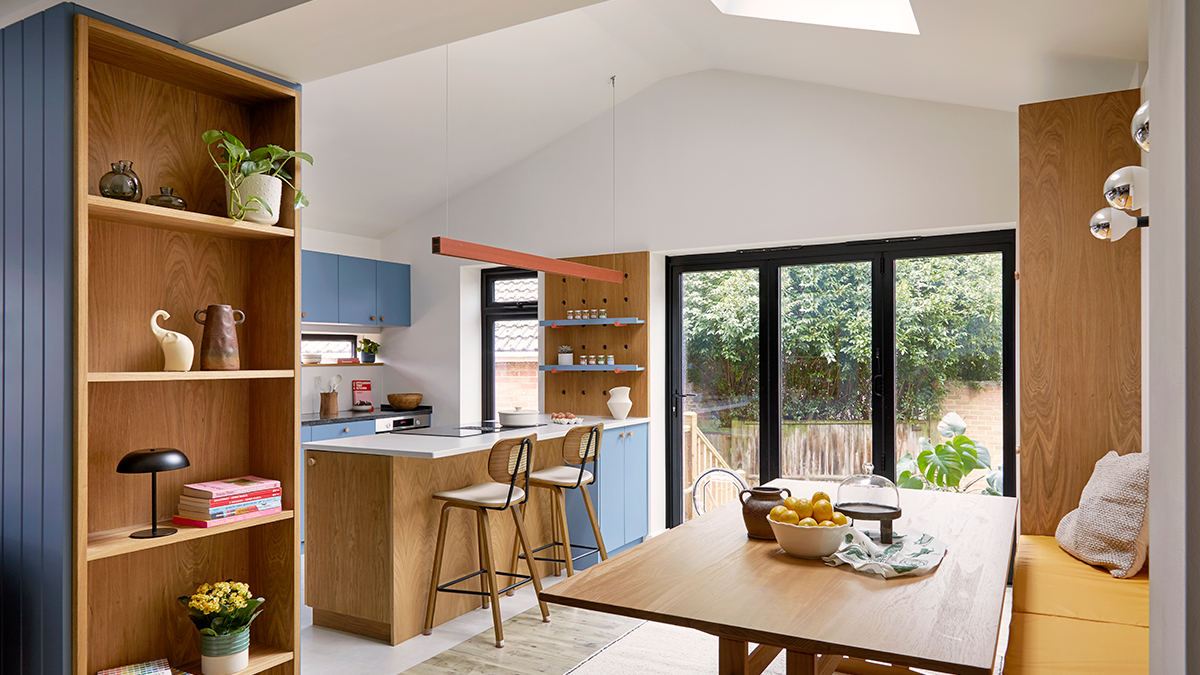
310,358
810,543
404,401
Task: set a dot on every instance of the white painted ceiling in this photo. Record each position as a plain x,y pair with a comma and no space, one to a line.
379,132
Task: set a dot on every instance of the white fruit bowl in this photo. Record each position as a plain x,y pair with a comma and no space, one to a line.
811,542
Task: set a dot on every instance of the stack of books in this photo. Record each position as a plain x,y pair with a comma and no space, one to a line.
220,502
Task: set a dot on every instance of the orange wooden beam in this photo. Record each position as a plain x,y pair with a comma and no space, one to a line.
501,256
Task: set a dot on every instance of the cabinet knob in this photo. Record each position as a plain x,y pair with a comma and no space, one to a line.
372,318
303,314
382,319
312,462
346,430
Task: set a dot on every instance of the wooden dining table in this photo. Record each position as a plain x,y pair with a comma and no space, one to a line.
708,575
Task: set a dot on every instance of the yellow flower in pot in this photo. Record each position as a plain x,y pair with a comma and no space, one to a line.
223,613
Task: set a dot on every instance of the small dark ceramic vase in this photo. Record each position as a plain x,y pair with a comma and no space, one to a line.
367,357
756,508
219,344
167,198
121,183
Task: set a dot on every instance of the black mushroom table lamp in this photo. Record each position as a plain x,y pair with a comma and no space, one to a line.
152,461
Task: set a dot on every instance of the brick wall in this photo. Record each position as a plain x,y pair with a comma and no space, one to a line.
981,405
516,382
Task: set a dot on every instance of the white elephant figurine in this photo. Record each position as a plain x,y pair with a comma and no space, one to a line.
177,348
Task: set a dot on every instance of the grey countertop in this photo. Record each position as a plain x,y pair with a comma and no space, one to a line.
313,419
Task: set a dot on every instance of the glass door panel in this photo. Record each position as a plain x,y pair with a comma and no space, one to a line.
720,397
950,358
825,363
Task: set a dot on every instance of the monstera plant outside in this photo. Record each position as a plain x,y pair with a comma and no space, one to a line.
944,466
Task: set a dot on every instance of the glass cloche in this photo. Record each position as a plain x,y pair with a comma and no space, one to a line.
867,496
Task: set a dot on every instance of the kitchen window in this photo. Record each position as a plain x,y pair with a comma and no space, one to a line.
329,347
510,340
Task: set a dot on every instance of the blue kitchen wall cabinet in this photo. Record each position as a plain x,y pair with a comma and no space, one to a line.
355,291
621,494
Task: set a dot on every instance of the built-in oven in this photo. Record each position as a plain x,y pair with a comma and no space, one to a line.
402,421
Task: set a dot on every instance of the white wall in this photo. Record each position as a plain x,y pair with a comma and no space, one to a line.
1174,271
706,161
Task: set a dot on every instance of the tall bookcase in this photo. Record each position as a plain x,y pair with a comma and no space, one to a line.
141,100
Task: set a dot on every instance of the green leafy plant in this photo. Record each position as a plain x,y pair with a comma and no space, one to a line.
239,163
944,466
367,346
565,349
223,608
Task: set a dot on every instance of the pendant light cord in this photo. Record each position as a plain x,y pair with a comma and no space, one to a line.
447,149
613,81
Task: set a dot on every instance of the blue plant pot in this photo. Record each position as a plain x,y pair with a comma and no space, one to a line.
367,358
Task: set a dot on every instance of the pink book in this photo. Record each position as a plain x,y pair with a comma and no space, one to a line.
215,489
181,520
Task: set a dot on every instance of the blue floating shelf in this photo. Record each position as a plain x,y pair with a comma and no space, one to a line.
611,321
598,368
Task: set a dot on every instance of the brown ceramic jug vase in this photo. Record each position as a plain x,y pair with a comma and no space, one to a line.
756,508
219,345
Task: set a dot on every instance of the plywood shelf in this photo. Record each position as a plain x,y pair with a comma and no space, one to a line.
134,213
195,375
338,365
117,542
262,657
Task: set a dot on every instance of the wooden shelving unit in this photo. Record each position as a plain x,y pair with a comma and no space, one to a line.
583,390
338,365
141,100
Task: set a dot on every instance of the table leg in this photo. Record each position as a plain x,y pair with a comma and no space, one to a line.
803,663
734,657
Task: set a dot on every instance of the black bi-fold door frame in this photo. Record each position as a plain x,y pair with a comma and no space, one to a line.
491,312
882,254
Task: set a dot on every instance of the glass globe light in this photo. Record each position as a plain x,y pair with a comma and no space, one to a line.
1112,224
1128,188
1140,127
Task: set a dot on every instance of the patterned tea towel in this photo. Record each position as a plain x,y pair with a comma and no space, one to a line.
912,553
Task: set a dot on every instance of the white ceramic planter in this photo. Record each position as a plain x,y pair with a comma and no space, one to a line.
619,403
566,359
266,188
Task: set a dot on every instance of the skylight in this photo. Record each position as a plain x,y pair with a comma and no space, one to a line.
892,16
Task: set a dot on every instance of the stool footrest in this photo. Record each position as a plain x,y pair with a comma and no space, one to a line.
587,550
445,588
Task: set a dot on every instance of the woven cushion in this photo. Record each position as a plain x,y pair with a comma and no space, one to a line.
1112,512
1050,645
565,476
483,494
1046,580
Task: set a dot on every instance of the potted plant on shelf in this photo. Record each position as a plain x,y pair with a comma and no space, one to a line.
223,612
565,356
253,178
368,348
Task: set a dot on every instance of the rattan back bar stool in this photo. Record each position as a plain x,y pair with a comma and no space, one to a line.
581,447
508,464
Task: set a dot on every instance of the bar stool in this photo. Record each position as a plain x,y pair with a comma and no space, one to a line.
508,459
581,446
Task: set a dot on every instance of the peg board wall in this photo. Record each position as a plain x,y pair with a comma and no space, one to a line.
586,392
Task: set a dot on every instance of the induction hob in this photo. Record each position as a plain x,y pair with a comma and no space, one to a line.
464,431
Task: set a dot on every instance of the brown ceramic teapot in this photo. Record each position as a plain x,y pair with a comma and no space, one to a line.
755,509
219,345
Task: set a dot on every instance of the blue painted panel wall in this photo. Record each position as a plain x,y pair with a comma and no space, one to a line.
36,220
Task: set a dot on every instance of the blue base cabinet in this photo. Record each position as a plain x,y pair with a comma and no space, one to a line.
621,494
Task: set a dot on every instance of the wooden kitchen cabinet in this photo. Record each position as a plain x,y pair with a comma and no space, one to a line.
620,494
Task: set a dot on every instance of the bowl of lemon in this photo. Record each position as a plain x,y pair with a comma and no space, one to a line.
808,528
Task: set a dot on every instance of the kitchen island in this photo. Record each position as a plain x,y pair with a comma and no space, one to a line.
372,520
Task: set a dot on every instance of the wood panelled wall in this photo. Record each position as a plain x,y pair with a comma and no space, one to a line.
586,393
1080,303
37,221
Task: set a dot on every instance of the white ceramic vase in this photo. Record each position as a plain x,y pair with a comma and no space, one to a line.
267,188
619,403
566,359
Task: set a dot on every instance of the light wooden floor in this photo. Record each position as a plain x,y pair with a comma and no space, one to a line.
572,636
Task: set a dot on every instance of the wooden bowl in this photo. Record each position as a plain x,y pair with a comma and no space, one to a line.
404,401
